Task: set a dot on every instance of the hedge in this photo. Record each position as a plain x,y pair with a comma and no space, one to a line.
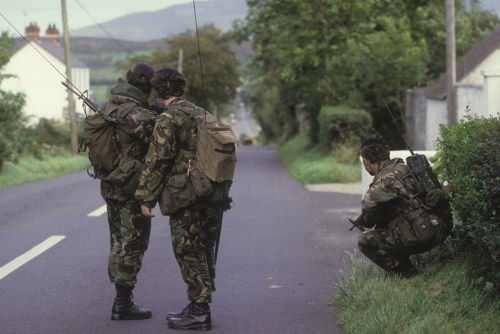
469,161
341,124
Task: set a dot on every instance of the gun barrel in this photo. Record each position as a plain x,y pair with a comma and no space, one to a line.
82,97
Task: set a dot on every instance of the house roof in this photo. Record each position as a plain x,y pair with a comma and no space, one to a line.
469,62
51,46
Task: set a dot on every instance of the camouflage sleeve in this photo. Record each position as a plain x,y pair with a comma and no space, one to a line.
142,125
377,200
158,162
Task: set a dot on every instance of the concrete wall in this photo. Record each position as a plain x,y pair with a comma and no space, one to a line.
41,84
415,114
492,92
437,114
472,96
475,77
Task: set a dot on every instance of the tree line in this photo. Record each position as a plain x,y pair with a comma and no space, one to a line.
331,52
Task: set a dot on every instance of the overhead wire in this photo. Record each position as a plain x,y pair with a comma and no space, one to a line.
106,31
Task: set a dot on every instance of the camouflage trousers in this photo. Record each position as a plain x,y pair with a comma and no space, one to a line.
194,232
382,248
129,237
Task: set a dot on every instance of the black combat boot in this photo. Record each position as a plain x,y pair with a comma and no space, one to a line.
124,308
197,316
406,269
173,315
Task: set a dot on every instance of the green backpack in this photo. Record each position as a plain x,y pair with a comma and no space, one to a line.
216,148
99,137
210,176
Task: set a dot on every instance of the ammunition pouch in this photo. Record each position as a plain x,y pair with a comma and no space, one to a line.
127,175
417,232
183,190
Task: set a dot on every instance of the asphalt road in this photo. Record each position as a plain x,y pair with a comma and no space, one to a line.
281,253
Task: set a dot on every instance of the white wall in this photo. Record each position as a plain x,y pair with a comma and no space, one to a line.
492,92
436,114
45,96
475,77
472,96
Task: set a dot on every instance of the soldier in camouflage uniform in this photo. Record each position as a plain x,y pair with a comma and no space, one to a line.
386,205
129,228
193,228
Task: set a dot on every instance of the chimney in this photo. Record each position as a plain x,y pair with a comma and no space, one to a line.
32,31
52,32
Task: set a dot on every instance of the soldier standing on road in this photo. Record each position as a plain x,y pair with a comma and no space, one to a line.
403,224
193,228
129,228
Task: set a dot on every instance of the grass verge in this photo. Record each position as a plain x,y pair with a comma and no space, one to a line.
31,169
311,165
445,298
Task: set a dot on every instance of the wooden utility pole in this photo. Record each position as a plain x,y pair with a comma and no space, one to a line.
451,62
180,64
67,60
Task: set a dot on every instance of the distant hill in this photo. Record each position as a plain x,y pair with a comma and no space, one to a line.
172,20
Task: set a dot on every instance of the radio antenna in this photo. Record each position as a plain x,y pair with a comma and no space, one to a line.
372,77
201,63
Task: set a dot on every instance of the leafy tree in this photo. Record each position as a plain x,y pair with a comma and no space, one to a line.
219,65
12,120
327,51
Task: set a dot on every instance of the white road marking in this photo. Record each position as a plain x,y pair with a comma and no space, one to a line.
98,212
30,255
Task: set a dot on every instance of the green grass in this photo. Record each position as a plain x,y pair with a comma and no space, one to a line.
311,165
31,169
445,298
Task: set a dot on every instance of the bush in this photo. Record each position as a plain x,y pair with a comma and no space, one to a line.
340,124
469,161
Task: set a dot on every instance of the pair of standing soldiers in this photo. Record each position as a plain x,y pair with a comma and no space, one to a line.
154,147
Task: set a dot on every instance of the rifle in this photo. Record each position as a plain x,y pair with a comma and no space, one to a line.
88,102
81,96
356,225
228,203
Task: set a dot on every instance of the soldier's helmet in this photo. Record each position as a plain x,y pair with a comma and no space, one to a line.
168,82
140,76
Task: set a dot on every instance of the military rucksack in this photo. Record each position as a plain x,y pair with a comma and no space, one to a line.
430,221
216,148
99,137
210,171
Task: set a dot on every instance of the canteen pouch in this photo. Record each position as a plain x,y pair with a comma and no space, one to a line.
416,231
178,193
127,175
201,184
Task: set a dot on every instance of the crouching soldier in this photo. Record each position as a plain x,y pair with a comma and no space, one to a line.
406,220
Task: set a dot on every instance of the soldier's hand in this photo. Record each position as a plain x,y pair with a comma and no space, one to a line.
146,211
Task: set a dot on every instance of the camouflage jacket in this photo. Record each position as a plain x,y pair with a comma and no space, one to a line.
172,148
133,134
390,195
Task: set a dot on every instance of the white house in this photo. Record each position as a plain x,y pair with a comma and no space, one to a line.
37,79
478,86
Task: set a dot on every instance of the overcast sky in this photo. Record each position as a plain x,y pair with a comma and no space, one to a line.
21,12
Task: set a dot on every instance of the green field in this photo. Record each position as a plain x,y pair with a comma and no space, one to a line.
31,169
